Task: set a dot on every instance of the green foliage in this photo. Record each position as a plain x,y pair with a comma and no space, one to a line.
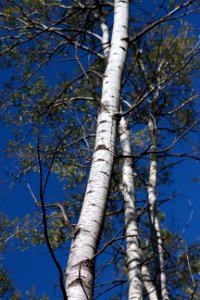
186,279
31,295
7,289
7,230
51,100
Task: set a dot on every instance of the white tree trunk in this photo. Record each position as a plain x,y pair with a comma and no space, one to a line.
79,272
148,284
154,220
135,286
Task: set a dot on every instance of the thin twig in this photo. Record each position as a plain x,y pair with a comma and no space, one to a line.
42,190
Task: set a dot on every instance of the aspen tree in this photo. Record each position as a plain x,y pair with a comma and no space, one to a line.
79,272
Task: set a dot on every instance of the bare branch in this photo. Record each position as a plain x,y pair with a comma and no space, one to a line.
61,276
160,84
159,21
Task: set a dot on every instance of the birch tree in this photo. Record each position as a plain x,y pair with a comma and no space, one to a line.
100,128
132,240
79,274
154,114
151,190
154,222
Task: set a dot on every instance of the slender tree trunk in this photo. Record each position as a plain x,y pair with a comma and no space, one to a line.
135,286
154,220
148,284
151,191
79,272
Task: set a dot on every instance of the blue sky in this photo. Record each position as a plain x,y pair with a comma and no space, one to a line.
35,268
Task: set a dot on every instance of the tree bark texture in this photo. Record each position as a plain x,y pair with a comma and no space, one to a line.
132,245
148,284
79,272
154,220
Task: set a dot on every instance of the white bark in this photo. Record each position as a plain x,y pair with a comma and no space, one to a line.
79,272
135,286
151,191
105,38
154,220
133,250
148,284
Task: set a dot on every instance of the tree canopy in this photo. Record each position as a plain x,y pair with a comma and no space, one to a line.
101,102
